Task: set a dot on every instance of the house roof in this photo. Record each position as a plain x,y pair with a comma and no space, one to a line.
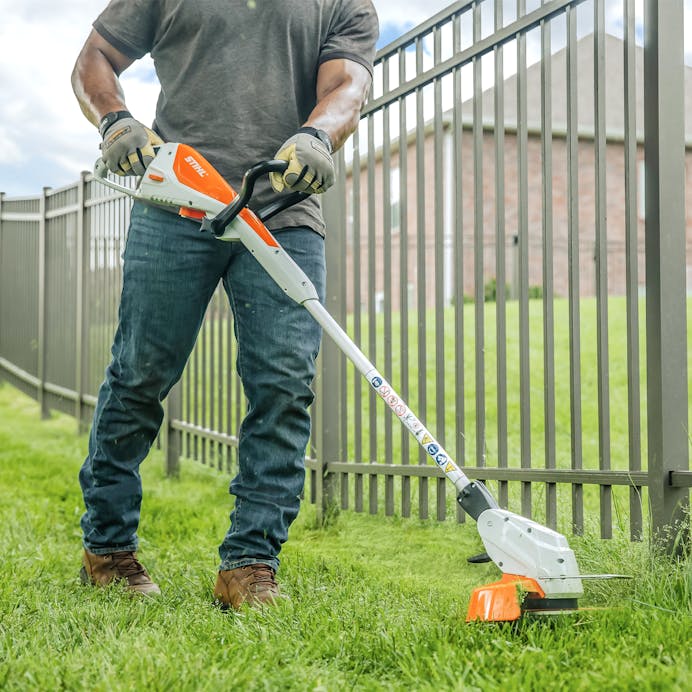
614,97
585,89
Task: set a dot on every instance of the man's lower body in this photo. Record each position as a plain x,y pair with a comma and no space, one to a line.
169,275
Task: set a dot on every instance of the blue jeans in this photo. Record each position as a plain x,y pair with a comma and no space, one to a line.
169,275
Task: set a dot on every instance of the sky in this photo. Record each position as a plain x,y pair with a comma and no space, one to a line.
44,138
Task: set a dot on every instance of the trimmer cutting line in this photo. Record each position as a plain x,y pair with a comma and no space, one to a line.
539,570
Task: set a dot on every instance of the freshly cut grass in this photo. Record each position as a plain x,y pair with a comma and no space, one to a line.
378,603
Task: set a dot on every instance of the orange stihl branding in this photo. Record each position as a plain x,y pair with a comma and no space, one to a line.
194,171
207,181
196,166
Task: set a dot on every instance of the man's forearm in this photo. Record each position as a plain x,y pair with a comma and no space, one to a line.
95,79
342,89
97,88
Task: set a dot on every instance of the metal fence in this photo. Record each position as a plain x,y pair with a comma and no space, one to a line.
489,248
60,276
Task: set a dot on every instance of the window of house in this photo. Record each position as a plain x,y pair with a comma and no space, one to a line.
394,200
641,199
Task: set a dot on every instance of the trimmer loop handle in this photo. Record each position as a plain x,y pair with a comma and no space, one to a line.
218,224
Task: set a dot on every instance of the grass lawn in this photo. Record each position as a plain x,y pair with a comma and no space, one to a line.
378,603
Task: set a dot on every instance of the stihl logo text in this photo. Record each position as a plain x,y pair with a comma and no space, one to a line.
196,167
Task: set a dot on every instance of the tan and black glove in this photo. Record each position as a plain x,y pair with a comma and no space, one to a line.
310,164
128,146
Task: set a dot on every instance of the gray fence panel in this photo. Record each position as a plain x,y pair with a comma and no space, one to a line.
19,240
536,197
61,272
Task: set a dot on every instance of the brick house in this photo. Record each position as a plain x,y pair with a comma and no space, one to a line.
425,237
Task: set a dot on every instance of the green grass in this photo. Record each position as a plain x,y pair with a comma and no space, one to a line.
378,603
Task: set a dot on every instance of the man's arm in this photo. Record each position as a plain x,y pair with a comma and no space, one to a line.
95,78
342,87
127,146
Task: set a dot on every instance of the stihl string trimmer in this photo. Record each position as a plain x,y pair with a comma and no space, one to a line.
539,570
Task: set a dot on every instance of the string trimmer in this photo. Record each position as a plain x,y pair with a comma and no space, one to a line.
539,570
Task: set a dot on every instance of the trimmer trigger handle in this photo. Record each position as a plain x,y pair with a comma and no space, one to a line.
218,224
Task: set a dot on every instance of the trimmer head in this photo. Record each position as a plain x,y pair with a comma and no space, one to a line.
539,569
508,599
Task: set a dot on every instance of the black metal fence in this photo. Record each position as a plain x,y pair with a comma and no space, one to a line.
490,248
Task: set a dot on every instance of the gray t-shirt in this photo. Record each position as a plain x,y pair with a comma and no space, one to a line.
238,77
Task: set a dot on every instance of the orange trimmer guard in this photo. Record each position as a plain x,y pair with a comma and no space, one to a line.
501,601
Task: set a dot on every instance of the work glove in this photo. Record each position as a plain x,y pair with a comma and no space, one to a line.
310,164
128,146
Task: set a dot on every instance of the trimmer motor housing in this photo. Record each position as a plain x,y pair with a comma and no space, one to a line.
539,569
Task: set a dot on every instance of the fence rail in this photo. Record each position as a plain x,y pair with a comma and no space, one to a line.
489,248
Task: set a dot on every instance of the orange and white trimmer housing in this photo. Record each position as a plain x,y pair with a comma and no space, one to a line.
540,572
181,178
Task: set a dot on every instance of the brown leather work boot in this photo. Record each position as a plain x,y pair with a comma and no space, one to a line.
102,570
254,584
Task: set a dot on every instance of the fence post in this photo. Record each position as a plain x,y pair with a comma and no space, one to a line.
42,250
172,438
666,329
79,312
332,361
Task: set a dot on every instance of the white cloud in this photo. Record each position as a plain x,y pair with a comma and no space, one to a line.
398,13
11,153
44,137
